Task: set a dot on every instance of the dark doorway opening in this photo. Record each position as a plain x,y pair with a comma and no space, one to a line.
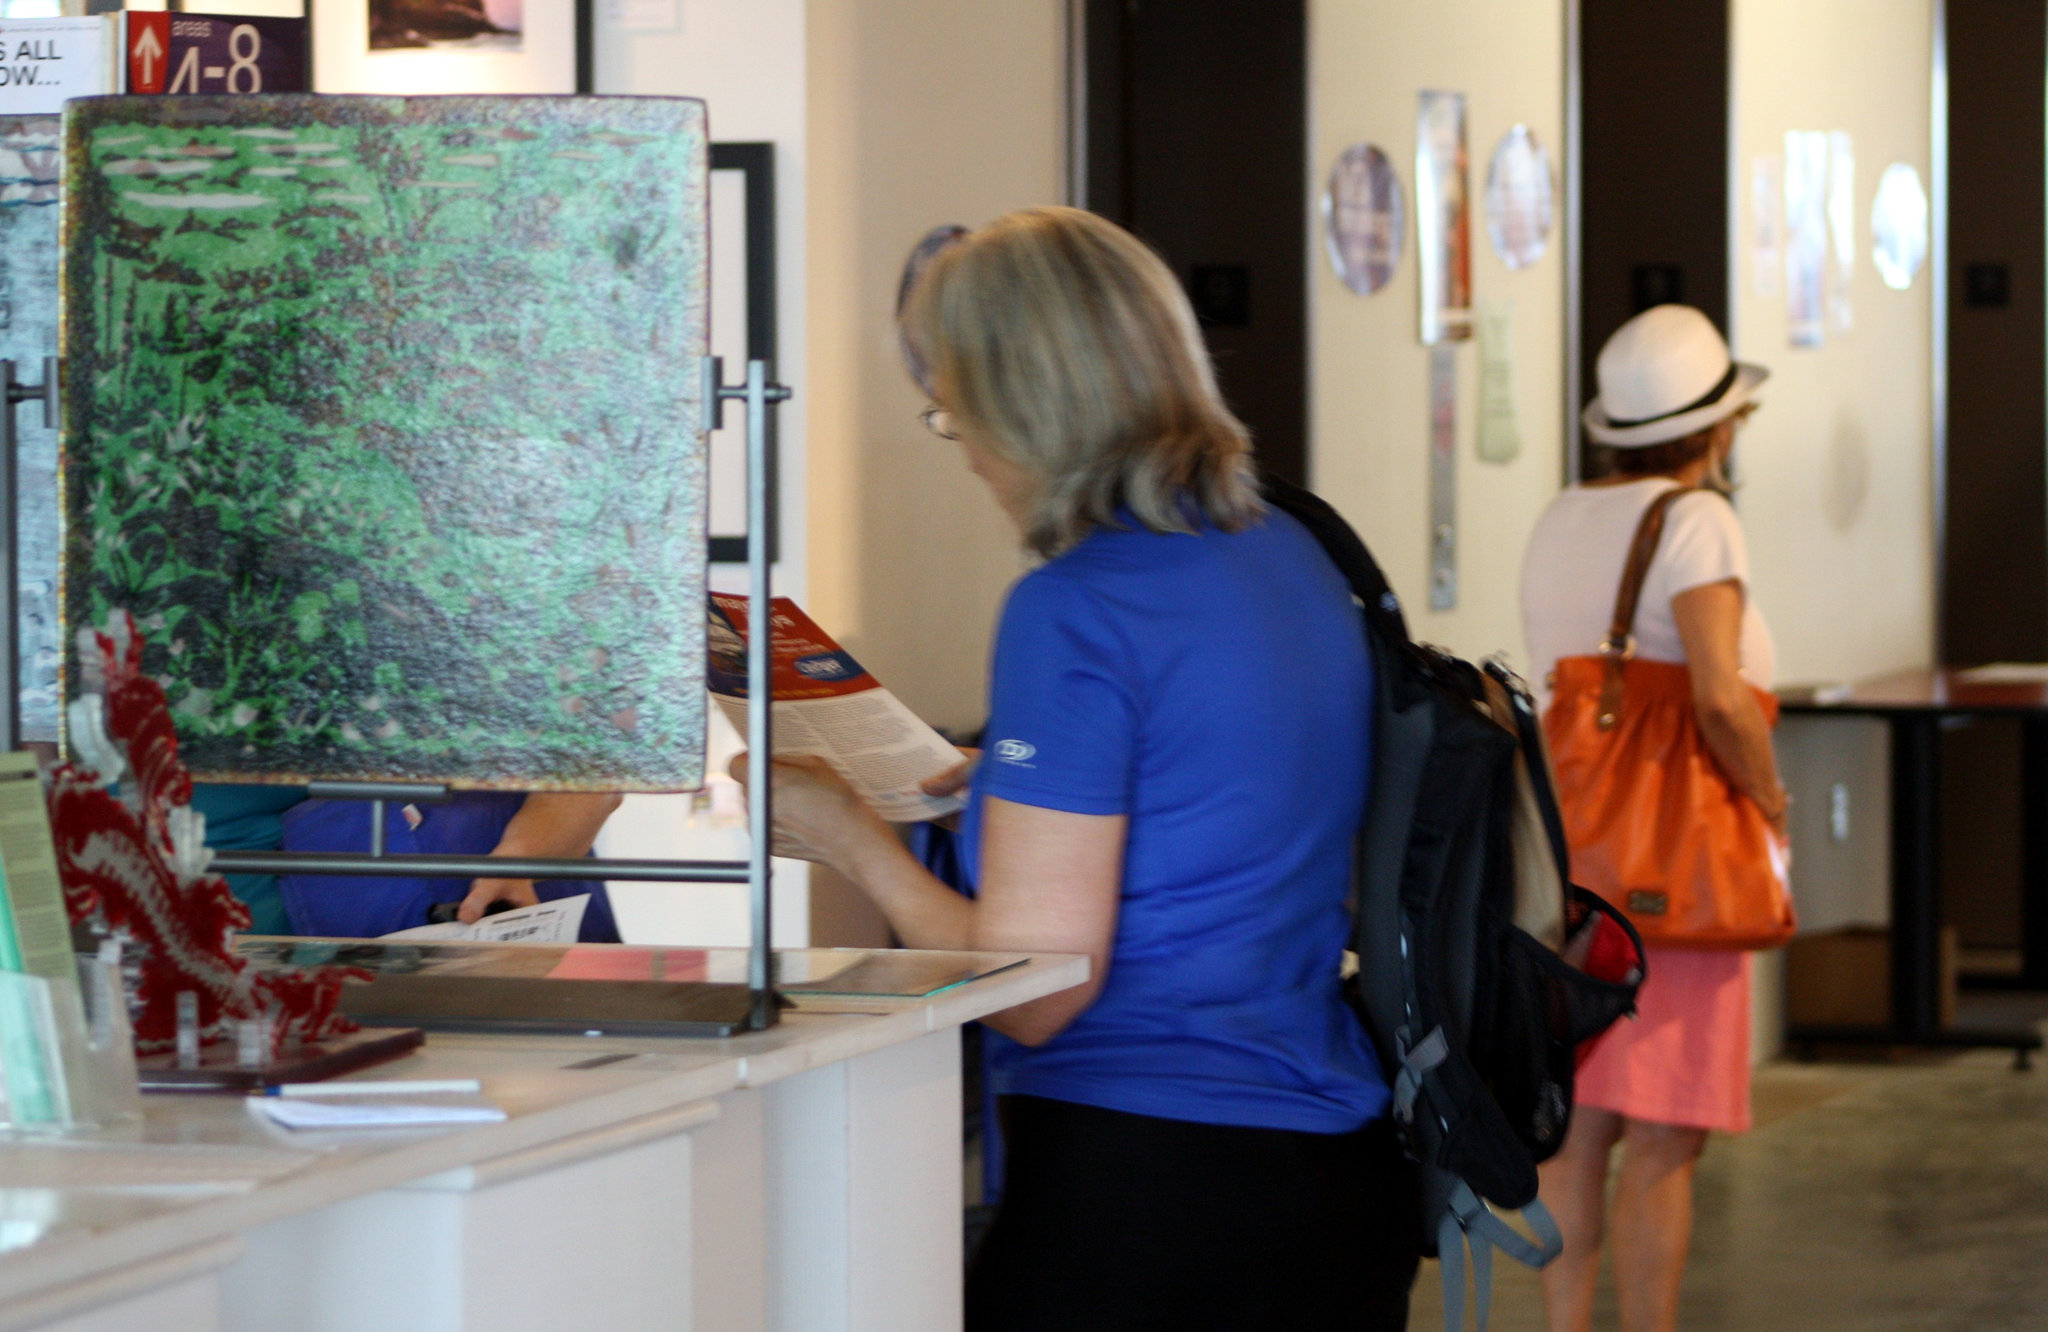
1994,574
1194,122
1653,162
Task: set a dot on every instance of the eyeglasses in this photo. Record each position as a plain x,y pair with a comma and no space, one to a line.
939,421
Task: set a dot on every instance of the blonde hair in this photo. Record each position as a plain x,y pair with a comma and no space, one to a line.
1065,346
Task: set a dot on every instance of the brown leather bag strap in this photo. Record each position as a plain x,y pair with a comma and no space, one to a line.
1620,643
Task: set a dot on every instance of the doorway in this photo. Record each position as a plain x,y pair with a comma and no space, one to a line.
1191,131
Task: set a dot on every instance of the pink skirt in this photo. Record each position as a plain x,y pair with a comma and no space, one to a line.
1684,1058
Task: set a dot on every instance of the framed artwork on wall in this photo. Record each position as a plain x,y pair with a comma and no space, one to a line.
451,46
742,330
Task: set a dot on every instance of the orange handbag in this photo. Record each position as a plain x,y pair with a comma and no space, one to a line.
1654,824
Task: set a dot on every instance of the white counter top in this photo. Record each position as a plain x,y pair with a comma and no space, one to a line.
200,1168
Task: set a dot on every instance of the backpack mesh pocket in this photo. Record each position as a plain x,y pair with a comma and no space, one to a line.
1545,1007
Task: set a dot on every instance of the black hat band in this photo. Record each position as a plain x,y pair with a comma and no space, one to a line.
1720,387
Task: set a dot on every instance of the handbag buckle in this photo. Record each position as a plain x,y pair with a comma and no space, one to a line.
1625,651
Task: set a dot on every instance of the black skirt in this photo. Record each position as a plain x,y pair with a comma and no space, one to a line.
1112,1222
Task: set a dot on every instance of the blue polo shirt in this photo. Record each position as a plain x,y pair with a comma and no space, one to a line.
1215,689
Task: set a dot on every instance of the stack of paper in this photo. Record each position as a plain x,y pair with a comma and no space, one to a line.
334,1112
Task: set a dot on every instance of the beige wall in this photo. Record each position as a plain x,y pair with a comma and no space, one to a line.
1369,417
919,114
1839,463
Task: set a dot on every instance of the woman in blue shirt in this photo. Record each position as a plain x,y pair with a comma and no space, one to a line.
1177,763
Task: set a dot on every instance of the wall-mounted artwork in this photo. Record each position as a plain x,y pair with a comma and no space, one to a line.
1443,232
448,46
743,309
1806,236
1520,198
446,25
1364,220
929,247
1841,227
1898,226
383,419
31,153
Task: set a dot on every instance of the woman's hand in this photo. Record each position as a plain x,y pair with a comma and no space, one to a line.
483,892
1781,819
1731,719
951,782
549,825
954,779
817,815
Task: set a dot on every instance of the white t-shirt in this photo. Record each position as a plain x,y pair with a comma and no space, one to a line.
1573,570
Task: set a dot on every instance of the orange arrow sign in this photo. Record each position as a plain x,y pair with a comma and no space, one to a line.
149,40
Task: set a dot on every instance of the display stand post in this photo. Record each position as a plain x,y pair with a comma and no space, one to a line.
757,393
10,537
756,871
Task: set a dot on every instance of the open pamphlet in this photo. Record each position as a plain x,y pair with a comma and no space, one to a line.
542,923
828,706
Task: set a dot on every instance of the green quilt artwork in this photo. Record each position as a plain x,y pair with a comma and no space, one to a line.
382,418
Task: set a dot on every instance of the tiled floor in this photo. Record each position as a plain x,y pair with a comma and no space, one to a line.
1885,1197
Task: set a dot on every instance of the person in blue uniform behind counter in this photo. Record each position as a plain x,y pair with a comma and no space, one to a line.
249,817
268,818
555,825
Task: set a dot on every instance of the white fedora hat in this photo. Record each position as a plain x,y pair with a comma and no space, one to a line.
1663,375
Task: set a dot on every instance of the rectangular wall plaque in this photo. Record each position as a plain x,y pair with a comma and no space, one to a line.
1443,476
1443,230
383,420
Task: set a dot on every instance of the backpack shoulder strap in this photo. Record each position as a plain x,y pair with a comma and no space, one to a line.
1345,549
1620,644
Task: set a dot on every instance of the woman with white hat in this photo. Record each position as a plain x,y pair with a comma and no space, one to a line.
1671,400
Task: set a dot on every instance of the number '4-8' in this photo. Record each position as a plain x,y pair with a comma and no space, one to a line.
245,45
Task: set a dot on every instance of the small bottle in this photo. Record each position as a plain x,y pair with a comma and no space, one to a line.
188,1029
252,1042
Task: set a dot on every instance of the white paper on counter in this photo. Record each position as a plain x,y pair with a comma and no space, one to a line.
372,1112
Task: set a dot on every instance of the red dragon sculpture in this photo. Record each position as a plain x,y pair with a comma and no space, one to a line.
134,864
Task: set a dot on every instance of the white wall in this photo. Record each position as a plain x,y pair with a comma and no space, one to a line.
920,114
1369,445
1839,462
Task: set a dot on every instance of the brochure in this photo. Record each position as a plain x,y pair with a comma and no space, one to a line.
542,923
828,706
39,995
35,936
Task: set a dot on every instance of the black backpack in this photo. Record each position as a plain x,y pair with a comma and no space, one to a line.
1477,1020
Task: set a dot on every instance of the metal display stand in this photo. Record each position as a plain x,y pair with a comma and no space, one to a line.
10,534
758,394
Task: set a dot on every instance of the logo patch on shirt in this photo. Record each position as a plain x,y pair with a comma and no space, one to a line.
1015,751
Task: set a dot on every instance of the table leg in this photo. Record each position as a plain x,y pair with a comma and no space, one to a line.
2034,852
1916,873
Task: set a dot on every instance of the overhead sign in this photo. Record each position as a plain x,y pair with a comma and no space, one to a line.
199,53
46,62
